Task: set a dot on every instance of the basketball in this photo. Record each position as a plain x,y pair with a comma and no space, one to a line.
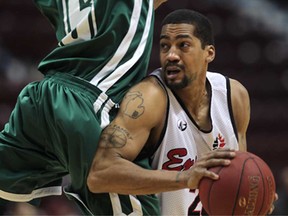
245,187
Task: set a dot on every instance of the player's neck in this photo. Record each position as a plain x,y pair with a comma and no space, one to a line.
197,101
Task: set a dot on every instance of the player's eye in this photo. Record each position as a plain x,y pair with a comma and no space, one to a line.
184,45
164,47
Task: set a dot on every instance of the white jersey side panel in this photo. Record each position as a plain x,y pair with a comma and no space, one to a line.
184,142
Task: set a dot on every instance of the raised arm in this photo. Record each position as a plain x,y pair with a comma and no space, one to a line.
241,111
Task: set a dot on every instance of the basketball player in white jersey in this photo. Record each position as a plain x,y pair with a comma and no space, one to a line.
201,105
182,116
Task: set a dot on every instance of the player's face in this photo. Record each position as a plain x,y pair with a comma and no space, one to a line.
182,58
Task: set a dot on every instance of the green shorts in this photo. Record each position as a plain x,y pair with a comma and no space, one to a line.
53,131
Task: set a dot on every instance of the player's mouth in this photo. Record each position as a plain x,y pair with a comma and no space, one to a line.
172,71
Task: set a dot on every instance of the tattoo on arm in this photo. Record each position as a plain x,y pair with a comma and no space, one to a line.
134,106
114,137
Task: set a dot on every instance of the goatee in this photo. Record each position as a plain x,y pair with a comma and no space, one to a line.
176,86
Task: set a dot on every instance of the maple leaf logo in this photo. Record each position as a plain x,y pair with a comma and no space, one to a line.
219,142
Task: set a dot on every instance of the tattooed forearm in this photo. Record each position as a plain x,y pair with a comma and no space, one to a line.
114,137
134,104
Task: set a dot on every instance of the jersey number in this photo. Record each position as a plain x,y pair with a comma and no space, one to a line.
192,209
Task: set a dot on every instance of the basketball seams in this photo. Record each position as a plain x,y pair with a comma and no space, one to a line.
239,185
211,186
263,182
250,190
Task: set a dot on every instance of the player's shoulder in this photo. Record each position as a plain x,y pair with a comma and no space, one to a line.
240,101
238,89
150,86
148,97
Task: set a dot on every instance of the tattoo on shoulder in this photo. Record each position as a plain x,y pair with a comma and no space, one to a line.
134,107
114,137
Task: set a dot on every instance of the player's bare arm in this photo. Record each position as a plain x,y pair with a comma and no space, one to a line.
241,111
120,143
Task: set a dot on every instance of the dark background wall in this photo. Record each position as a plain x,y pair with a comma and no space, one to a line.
251,46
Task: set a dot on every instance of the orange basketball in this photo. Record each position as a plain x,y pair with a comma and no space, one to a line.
245,187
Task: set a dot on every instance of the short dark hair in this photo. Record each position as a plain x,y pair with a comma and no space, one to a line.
203,27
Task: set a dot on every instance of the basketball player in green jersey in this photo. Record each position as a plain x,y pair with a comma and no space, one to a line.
104,48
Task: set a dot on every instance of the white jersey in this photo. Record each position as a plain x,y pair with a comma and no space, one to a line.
183,141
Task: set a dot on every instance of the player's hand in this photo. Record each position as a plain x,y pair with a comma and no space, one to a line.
221,157
273,206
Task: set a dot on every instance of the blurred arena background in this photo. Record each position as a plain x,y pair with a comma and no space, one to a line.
251,39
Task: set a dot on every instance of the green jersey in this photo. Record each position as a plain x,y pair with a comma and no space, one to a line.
105,42
104,48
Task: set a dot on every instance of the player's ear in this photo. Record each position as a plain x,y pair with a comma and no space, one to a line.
211,53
